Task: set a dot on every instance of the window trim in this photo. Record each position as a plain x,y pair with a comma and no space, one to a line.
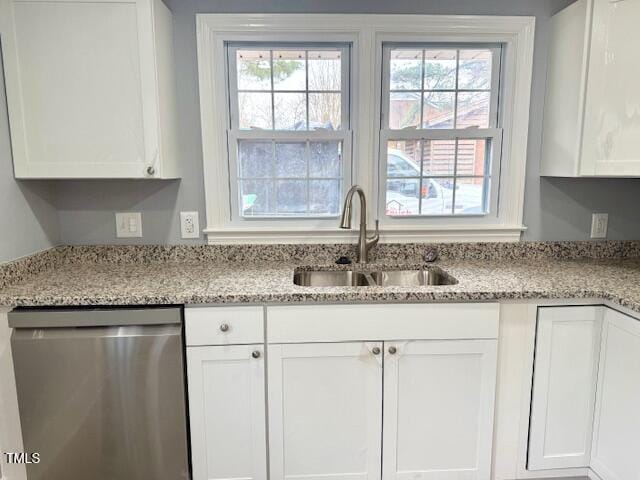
366,33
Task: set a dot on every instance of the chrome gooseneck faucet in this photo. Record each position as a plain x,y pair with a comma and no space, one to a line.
365,243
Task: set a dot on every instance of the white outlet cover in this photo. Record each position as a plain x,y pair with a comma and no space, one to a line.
189,225
599,225
128,225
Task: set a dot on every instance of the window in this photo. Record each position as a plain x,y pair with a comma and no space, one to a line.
288,136
430,119
440,141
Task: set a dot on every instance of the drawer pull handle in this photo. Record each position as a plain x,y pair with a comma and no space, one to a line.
224,327
392,350
256,354
375,350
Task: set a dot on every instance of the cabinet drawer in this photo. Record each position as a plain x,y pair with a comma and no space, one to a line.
341,323
223,325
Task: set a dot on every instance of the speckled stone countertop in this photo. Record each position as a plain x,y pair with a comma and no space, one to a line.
87,277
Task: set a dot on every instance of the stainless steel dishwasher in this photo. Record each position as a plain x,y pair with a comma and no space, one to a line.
101,393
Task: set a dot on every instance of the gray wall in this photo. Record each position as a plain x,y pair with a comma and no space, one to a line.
28,221
555,209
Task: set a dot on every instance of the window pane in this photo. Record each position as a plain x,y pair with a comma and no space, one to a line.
291,113
324,197
404,110
325,159
255,159
470,196
440,69
254,69
406,70
325,70
403,158
437,196
475,69
472,157
255,110
403,197
473,109
291,160
256,197
291,196
438,110
289,70
325,111
439,157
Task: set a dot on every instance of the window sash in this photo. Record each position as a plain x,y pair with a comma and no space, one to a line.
496,67
234,137
493,133
232,76
235,134
493,173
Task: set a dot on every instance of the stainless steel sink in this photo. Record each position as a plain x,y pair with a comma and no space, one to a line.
377,278
413,278
342,278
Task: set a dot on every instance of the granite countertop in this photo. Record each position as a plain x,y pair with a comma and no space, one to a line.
84,281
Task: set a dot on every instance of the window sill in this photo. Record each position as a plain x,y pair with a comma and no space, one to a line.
467,233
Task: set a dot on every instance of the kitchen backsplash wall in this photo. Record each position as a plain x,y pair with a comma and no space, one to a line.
28,218
555,209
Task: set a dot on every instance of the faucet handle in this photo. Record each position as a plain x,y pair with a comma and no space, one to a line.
430,255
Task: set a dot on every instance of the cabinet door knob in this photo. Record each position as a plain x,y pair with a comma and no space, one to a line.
256,354
392,350
375,350
224,327
151,170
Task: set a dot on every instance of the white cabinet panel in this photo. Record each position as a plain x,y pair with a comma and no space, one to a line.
325,403
223,325
89,95
611,141
438,409
565,371
227,412
616,446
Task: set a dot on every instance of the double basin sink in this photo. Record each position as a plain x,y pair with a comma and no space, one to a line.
431,276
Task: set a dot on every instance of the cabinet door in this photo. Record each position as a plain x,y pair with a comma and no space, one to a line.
81,90
564,387
227,412
612,118
438,409
325,411
616,445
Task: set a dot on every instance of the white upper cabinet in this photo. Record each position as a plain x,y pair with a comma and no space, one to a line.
90,88
592,107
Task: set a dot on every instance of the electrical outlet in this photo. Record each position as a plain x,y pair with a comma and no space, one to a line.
599,224
128,224
189,225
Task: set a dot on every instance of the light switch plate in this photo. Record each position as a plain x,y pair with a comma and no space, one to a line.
599,225
189,225
128,224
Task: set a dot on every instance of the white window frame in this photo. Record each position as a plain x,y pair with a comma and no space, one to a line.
493,132
366,34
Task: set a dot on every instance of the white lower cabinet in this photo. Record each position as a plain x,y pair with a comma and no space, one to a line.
227,412
616,445
438,409
339,407
564,382
325,402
